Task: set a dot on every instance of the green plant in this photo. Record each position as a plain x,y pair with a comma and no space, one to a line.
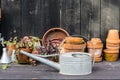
4,66
28,42
10,41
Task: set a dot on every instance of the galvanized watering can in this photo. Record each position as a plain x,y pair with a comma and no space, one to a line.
73,63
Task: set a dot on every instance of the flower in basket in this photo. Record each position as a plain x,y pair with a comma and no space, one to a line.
28,44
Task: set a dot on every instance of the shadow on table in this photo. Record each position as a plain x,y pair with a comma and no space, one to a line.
96,69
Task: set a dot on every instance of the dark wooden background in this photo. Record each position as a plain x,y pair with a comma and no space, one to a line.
90,18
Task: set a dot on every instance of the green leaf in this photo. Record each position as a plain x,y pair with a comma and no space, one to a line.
4,66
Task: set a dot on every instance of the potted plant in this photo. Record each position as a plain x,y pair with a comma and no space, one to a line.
28,44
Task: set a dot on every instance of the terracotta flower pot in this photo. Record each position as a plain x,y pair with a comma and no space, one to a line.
113,36
73,44
74,47
111,54
54,33
112,46
98,59
96,40
10,48
23,58
74,40
95,47
95,43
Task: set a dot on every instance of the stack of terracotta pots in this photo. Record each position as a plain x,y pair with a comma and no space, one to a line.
112,45
74,44
95,47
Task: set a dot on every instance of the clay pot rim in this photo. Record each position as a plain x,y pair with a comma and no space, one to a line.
113,41
112,47
73,50
53,29
98,59
68,46
107,51
90,45
97,40
73,40
112,44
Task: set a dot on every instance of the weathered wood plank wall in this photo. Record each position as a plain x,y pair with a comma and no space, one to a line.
110,16
90,18
28,17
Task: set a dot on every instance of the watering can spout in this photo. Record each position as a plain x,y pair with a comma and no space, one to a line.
43,60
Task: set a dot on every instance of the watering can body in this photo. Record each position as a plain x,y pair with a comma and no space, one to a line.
73,63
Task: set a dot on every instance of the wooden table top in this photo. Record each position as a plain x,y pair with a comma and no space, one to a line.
102,70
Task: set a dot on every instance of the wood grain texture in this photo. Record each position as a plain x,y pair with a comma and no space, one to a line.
109,17
29,17
90,18
39,16
94,27
101,71
11,23
86,11
71,16
0,14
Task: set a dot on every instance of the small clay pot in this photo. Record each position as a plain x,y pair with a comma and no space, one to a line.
95,47
74,40
111,54
94,43
74,46
113,36
98,59
96,40
10,48
23,58
112,46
